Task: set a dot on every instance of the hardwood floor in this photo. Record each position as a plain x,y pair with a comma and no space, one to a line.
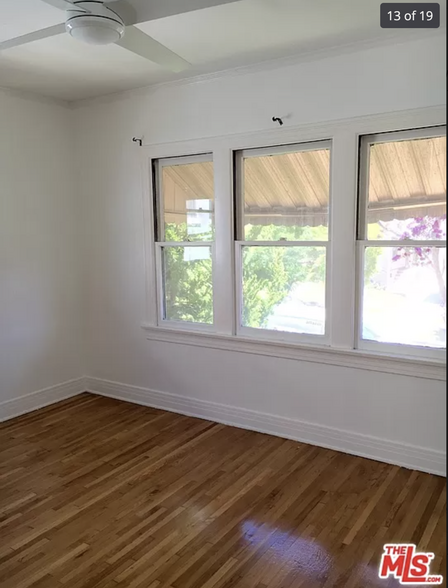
97,493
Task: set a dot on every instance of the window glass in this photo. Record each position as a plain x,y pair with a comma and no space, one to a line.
188,201
407,190
187,284
286,196
405,296
404,289
284,289
283,202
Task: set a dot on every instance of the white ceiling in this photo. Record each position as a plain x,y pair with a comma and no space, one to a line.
214,39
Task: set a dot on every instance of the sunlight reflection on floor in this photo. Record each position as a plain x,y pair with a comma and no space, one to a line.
287,552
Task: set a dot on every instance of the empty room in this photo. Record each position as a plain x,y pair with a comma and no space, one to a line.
222,294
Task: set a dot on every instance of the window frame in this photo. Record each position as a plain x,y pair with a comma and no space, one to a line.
161,244
362,241
239,242
345,136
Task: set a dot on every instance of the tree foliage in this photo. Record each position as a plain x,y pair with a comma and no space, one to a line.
425,228
188,287
187,283
269,273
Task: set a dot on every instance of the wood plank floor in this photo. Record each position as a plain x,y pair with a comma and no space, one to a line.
97,493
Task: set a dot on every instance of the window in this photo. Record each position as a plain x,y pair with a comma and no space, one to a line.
401,241
337,241
184,238
282,239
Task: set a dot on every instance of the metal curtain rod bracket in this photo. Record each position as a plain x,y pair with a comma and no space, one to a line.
136,140
277,119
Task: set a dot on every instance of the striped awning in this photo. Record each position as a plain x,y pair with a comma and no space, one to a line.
406,179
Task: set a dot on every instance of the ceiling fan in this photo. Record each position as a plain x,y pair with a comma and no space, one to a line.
99,22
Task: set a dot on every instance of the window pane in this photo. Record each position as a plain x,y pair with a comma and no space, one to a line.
188,201
405,296
286,196
407,190
284,289
188,291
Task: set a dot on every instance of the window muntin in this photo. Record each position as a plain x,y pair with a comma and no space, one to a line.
282,222
185,239
401,240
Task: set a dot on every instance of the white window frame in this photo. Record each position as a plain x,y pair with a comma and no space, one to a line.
343,349
161,244
240,243
362,243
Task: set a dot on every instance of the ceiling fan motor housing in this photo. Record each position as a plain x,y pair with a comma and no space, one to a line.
94,23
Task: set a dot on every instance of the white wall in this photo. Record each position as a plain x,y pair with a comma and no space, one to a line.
40,283
401,409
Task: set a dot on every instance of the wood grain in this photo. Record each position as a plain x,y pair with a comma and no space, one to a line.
98,493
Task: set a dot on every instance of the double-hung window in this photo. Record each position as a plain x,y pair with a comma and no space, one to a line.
401,242
338,242
184,213
282,214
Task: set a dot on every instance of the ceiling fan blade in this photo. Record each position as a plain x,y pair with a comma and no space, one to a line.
142,44
145,11
36,36
62,4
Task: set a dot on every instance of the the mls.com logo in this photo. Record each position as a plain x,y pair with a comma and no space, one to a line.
401,561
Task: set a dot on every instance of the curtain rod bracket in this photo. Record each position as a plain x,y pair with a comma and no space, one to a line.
136,140
277,119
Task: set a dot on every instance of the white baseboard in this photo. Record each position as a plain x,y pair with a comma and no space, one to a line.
41,398
401,454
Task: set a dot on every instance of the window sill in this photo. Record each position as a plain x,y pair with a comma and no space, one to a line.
352,358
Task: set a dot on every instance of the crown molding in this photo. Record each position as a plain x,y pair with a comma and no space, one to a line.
33,97
385,40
